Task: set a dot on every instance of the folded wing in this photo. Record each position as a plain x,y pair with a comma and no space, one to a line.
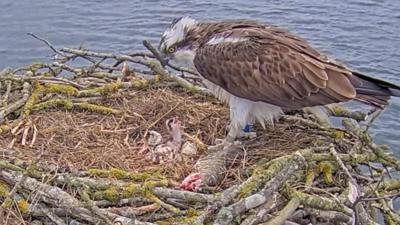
276,67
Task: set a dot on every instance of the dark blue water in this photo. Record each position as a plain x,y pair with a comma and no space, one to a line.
365,34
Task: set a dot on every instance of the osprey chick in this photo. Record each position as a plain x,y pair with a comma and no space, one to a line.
263,70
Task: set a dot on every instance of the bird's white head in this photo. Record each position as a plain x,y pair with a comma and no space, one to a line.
177,44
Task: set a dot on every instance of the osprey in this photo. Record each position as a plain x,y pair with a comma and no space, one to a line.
263,70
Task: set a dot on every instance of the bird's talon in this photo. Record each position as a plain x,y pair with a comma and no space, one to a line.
248,135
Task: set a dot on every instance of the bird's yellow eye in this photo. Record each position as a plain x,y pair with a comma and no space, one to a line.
171,49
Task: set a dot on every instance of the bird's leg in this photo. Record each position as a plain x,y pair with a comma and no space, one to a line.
247,132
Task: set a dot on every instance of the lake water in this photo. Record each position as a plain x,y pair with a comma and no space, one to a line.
362,33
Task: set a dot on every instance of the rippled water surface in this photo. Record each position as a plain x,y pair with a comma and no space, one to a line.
365,34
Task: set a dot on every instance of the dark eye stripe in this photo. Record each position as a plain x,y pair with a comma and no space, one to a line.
182,44
177,46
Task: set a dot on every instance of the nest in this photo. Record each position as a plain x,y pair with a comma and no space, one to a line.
80,139
76,140
79,146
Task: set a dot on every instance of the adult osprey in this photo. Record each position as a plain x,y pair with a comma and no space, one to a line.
263,70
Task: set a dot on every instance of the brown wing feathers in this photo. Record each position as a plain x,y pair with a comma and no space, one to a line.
280,68
274,74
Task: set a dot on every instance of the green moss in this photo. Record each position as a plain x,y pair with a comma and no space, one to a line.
61,88
139,83
262,175
310,175
7,165
191,216
194,90
110,194
391,185
98,173
248,188
356,159
326,169
193,212
338,109
35,67
7,203
119,174
157,78
96,108
157,69
132,190
338,134
110,88
4,189
314,201
23,206
33,98
158,183
148,187
53,103
353,159
103,90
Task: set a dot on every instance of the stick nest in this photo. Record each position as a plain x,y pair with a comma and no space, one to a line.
76,149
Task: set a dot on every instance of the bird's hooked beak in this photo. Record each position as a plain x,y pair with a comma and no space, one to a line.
164,57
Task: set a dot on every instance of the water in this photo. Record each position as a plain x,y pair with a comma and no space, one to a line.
362,33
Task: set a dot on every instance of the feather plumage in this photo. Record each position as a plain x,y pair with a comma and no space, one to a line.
272,66
262,70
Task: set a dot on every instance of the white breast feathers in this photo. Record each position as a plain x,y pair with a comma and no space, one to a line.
244,111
